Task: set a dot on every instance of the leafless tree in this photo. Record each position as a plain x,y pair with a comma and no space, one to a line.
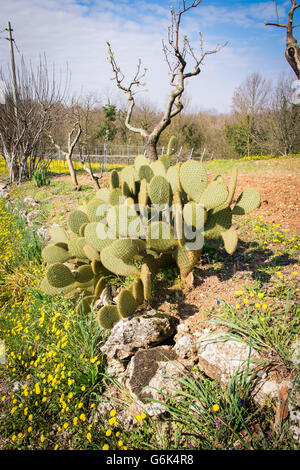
250,99
85,112
292,50
176,57
72,139
25,116
71,128
283,121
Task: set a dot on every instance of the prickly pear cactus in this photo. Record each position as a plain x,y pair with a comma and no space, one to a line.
152,215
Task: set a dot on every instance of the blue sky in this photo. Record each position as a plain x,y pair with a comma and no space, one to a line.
76,31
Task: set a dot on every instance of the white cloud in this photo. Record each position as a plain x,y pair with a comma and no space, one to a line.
76,33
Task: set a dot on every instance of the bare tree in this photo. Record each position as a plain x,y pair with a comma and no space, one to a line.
73,137
292,50
176,58
85,112
283,122
249,99
25,116
72,128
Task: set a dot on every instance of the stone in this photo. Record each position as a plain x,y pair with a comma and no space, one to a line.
17,386
125,413
117,368
140,331
31,216
267,389
185,346
221,359
295,347
43,232
151,372
30,201
294,410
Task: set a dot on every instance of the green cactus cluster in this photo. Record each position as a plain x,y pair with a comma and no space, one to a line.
128,229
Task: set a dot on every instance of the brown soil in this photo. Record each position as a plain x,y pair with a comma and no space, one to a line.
280,195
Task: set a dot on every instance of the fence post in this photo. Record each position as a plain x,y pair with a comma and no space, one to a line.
96,156
191,153
204,150
179,154
211,157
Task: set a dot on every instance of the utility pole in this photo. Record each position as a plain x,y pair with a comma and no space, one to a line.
13,67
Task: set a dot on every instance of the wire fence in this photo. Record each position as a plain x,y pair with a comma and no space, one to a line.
102,157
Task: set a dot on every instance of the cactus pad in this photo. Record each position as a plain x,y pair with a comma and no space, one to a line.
103,194
159,190
173,176
59,275
84,274
116,265
193,178
76,219
58,234
161,236
96,210
146,278
230,238
158,168
114,180
126,303
172,145
108,316
99,287
138,291
214,195
55,254
219,220
145,172
84,306
127,248
247,202
98,235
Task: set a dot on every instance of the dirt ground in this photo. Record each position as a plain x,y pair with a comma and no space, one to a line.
280,195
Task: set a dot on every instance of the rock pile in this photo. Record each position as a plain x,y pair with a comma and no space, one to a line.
146,353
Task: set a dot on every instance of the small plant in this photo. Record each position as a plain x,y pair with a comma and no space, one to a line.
41,177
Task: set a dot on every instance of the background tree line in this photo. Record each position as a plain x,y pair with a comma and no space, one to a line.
263,120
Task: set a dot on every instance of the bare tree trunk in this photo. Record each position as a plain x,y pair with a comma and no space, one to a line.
95,178
151,148
69,153
71,170
292,51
